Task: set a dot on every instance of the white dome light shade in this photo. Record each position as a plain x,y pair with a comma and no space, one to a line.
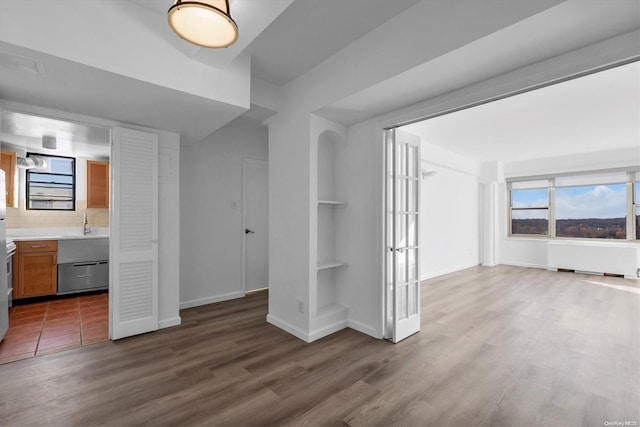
205,23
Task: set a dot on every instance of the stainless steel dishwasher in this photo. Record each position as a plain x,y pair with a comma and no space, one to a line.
83,265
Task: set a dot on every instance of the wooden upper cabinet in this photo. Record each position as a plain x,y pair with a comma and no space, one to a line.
97,184
8,165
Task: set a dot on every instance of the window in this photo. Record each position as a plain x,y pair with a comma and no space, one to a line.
592,206
52,186
530,208
593,211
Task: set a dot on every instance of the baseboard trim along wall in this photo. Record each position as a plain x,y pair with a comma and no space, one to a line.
524,264
210,300
447,271
327,330
288,327
364,329
167,323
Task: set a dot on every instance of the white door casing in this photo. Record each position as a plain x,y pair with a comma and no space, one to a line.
133,249
402,190
255,215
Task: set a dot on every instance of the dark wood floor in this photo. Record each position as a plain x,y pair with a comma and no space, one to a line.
502,346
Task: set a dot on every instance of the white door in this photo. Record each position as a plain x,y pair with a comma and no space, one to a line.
255,225
134,233
402,191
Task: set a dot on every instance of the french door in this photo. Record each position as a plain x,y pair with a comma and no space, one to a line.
402,192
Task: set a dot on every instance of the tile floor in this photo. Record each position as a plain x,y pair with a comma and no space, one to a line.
50,326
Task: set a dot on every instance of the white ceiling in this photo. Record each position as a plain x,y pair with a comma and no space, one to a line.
298,42
251,16
310,31
594,113
75,87
25,131
568,26
285,39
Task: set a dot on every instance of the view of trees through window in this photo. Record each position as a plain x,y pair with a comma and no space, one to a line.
580,211
530,211
595,211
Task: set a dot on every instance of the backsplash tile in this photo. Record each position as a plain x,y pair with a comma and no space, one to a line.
22,218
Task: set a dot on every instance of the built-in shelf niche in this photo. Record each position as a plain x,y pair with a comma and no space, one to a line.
330,208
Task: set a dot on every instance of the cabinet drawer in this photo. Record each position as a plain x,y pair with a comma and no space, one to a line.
38,246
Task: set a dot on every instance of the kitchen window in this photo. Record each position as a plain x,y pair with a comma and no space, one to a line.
53,185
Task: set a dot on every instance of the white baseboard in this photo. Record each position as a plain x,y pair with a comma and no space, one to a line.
210,300
327,330
525,264
362,328
447,271
167,323
287,327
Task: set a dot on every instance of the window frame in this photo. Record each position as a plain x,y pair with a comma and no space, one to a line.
632,203
35,171
511,208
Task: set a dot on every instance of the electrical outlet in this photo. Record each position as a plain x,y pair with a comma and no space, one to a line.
300,307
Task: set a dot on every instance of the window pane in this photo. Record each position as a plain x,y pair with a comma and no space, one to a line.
530,198
637,197
530,221
638,223
594,211
64,166
52,186
57,179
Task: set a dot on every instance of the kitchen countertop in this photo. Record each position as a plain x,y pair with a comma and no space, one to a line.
55,233
69,237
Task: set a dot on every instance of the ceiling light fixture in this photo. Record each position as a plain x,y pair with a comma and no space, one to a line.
205,23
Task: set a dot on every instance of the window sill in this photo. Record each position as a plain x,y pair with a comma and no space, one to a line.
577,241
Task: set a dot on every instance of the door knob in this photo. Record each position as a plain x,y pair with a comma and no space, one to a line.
247,231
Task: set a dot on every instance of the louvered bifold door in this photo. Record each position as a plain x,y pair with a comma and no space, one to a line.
134,233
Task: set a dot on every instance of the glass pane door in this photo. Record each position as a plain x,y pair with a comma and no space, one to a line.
402,260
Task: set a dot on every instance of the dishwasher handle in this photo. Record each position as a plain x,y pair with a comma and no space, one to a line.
84,264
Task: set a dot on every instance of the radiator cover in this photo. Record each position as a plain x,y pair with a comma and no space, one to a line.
622,258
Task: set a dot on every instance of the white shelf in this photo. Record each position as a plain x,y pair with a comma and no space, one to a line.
331,264
331,203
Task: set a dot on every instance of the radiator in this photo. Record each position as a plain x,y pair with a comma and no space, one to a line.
600,258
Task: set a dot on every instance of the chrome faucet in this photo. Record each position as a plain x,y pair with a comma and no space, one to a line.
85,225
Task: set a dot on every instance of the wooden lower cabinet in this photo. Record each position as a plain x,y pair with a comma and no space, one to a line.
37,268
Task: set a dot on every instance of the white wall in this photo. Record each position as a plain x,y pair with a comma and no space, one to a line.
449,214
290,188
211,221
169,228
